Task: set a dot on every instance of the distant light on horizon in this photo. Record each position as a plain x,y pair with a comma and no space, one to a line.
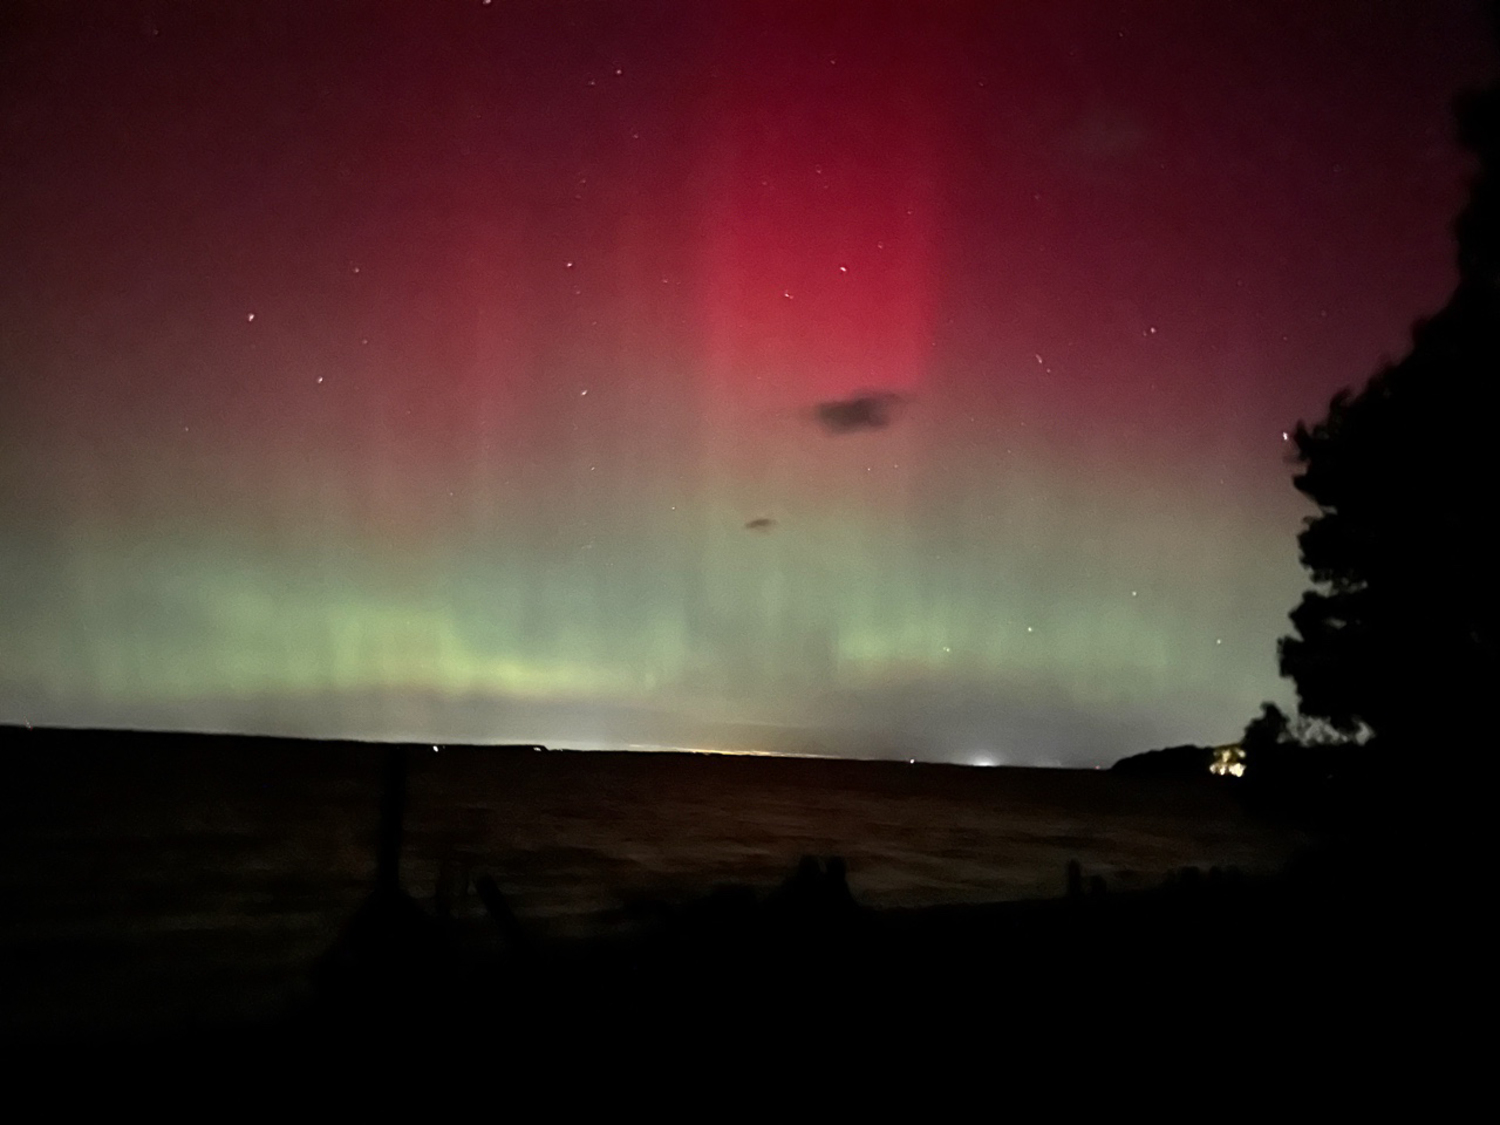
1229,761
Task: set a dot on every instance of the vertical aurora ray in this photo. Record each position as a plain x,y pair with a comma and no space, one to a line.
818,285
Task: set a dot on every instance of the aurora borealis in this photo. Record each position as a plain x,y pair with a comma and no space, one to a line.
859,378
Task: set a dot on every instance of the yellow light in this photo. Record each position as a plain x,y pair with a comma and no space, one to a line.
1229,761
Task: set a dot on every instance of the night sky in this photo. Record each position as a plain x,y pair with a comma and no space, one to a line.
868,378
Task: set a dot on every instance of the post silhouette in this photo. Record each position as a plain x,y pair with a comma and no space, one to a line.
392,812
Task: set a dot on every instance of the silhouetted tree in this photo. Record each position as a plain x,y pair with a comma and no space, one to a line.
1398,634
1266,731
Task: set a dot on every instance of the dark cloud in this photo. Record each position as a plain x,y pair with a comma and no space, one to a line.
760,523
873,410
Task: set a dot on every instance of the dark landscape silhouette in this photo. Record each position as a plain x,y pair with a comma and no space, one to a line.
456,962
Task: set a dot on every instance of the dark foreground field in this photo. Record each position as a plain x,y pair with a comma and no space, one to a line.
1314,959
808,957
1355,944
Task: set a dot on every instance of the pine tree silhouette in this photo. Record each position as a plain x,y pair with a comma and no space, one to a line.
1398,634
